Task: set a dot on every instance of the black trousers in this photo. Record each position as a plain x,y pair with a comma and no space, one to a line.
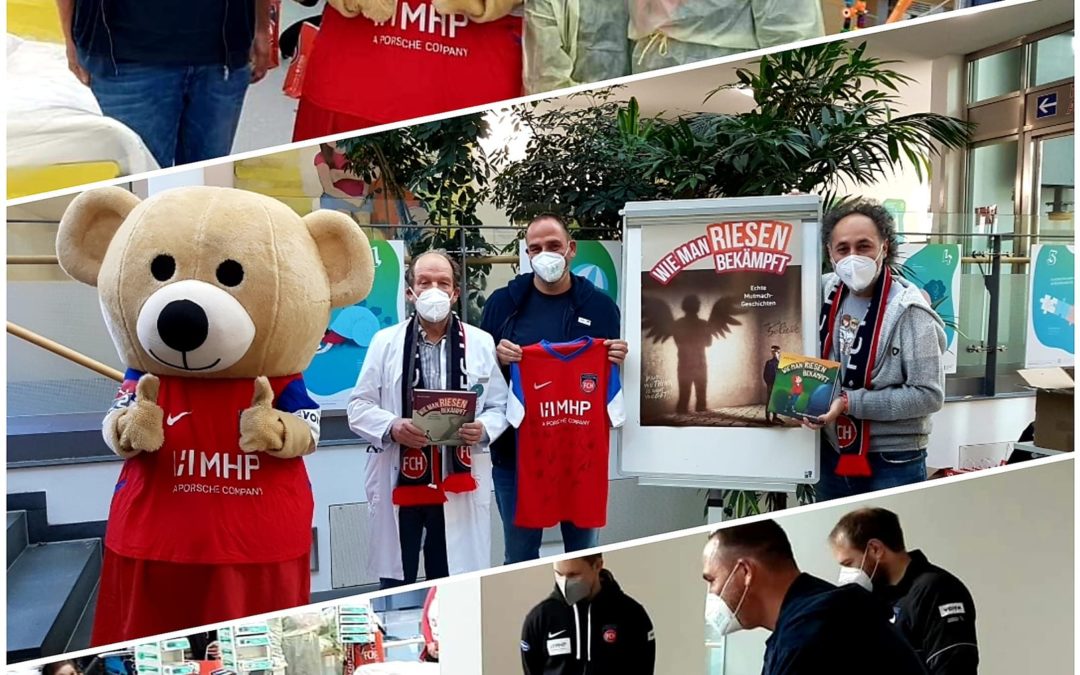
421,529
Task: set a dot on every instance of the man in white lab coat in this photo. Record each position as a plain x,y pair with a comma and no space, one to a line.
422,498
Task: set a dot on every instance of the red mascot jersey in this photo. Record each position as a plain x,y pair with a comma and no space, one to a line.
418,63
563,397
200,499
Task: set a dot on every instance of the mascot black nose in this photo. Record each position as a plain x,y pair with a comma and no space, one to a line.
183,325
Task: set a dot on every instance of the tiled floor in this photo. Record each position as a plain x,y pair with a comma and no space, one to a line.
267,119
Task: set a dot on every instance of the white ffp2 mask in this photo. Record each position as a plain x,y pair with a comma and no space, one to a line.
548,266
720,617
433,305
856,575
857,271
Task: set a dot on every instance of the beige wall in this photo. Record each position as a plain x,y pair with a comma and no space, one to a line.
664,577
1009,537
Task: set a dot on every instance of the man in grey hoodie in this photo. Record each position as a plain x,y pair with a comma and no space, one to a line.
889,342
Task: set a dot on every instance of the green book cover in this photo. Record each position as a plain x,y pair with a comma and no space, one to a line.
440,414
804,387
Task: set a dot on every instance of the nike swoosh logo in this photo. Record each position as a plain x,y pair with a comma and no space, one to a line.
173,419
551,635
541,386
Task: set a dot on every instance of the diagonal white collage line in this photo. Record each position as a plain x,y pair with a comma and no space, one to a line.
545,96
703,530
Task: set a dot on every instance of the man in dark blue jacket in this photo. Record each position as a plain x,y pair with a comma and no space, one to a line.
174,71
754,582
548,304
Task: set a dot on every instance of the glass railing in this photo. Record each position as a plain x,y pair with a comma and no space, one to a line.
990,318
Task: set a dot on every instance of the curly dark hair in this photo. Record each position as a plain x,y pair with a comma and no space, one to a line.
886,226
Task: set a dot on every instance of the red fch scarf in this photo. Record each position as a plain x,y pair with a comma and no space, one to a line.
420,478
853,435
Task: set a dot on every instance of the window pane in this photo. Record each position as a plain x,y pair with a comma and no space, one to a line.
1057,183
1052,59
996,75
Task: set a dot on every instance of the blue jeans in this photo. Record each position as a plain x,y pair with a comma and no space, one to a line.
890,469
523,543
182,113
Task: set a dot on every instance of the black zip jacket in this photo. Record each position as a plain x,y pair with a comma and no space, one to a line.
936,614
828,630
167,32
609,635
592,314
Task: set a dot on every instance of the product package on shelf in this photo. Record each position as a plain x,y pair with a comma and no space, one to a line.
245,648
358,632
168,657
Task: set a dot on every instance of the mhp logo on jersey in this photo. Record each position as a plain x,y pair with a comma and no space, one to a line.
588,383
610,634
414,464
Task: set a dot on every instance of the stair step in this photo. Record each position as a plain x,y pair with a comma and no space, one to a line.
48,589
80,638
18,538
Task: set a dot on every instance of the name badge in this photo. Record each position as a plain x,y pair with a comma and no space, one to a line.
583,321
559,647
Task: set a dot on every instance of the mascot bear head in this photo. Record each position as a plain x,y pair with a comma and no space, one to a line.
212,282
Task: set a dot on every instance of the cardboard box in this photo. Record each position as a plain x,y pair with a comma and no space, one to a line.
1055,417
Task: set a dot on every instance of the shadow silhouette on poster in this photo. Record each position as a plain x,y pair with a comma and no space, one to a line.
692,335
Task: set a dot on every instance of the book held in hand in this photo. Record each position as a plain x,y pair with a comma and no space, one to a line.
805,386
440,414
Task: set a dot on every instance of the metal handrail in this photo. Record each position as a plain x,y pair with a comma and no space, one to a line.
63,351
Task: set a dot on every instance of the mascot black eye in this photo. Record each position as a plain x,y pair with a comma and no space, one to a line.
163,267
230,273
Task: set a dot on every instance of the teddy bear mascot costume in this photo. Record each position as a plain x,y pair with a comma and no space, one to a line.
216,300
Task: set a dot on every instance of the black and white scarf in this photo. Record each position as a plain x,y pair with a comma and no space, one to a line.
420,479
853,435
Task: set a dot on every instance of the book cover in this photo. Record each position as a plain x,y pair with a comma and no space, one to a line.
719,302
804,386
440,414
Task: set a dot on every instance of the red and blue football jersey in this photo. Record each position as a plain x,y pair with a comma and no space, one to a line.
563,399
200,499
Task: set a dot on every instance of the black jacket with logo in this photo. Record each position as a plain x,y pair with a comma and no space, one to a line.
608,635
936,614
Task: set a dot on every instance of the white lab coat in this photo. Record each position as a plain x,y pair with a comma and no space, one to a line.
376,403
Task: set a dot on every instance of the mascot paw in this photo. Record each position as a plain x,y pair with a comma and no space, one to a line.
378,10
141,427
469,7
480,11
347,8
261,429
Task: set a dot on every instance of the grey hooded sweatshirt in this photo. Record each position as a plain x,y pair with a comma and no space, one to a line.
908,380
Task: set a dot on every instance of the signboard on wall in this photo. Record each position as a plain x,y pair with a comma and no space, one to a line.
935,270
336,366
1051,334
598,261
711,287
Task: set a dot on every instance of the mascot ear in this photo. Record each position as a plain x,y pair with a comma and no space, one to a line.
88,227
345,253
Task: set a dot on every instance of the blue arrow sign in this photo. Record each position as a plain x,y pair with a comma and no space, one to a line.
1046,106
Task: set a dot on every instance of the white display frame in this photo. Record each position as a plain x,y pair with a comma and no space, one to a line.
780,459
